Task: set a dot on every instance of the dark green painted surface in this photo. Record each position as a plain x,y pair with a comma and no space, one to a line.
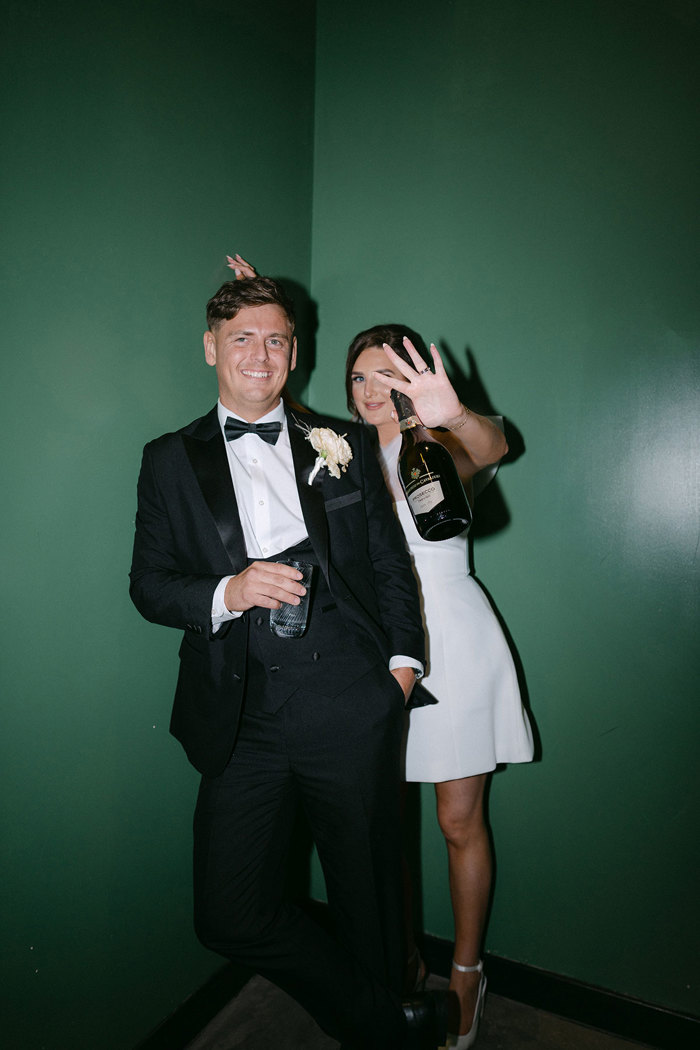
141,143
520,179
513,177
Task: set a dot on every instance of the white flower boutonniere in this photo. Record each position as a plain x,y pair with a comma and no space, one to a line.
333,450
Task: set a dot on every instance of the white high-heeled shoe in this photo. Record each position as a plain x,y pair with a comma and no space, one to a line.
464,1042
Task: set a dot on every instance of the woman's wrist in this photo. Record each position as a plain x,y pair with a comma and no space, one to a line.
461,419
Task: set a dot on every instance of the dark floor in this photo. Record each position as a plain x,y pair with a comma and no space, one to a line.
261,1017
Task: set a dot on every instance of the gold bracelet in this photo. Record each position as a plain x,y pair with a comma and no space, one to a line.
460,425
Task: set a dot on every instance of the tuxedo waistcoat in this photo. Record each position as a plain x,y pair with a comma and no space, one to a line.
326,659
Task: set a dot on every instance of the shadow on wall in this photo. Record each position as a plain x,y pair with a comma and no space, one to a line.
520,672
306,328
492,514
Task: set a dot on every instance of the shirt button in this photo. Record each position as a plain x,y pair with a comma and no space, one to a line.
259,621
264,550
255,461
316,656
275,667
261,502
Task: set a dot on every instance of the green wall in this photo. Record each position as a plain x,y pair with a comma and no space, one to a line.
142,142
519,178
512,177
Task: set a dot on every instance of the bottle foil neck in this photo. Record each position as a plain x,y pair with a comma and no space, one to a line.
409,423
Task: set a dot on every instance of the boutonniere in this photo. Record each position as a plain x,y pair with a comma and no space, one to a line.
333,450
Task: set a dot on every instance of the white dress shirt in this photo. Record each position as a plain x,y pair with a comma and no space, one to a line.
268,504
266,492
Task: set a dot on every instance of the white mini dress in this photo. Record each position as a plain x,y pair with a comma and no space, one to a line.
479,720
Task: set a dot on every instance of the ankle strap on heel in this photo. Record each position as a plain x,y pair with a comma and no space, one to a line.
468,969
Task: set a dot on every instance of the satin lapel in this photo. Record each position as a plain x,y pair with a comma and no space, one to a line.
310,496
207,454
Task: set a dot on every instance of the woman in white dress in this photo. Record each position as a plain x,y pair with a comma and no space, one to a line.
479,720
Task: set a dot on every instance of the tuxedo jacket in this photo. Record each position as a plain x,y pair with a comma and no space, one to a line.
189,535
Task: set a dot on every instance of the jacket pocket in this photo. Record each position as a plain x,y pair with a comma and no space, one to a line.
343,501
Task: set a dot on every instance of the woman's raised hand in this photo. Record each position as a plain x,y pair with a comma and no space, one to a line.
240,267
432,393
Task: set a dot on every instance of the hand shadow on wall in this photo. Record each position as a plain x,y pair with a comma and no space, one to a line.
493,514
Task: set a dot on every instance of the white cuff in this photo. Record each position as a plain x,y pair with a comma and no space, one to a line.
407,661
219,613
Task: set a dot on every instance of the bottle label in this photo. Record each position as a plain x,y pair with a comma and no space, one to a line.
424,497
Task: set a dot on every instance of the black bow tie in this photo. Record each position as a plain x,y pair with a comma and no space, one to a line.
267,431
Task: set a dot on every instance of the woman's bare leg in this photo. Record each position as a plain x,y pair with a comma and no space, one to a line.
460,810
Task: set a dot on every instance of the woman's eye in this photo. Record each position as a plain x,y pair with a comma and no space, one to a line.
358,379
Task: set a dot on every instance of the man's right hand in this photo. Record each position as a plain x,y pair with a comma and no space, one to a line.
264,583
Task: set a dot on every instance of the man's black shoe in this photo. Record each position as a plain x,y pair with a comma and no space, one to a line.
426,1020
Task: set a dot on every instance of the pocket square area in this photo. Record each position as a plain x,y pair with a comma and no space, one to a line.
343,501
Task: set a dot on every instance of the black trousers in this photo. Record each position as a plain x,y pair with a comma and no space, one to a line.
338,757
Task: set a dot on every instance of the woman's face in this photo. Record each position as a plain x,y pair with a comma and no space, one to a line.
372,400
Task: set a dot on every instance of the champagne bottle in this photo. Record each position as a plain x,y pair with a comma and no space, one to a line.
429,478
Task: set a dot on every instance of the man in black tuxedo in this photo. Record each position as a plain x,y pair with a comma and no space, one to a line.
271,721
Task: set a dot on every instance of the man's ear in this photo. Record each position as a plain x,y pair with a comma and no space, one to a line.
293,355
209,348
